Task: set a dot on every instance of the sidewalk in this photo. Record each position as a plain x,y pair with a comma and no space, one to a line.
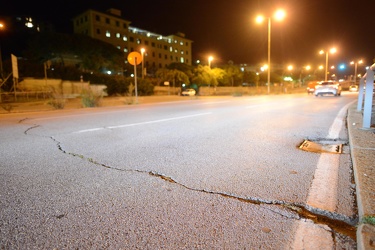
362,146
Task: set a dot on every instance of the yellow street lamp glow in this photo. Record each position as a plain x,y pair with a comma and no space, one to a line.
308,67
290,67
279,15
210,59
332,51
259,19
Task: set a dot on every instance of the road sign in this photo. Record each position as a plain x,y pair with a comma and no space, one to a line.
134,58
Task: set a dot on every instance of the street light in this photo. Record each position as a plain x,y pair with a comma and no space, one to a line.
332,51
210,58
355,69
279,15
142,52
1,58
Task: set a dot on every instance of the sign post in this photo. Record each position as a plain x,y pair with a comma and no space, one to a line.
15,74
134,58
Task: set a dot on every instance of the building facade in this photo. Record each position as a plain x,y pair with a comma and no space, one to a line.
110,27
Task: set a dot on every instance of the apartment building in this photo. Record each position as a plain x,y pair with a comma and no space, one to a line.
110,27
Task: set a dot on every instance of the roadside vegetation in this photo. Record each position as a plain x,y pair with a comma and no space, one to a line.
78,57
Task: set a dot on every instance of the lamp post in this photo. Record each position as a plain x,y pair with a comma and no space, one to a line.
210,58
142,52
279,15
1,58
355,69
332,51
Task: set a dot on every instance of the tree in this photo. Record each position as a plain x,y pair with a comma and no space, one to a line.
204,76
232,74
172,75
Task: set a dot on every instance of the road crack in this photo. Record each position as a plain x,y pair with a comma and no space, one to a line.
337,222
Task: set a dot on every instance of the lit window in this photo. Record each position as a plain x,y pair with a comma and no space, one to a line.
126,50
181,43
118,35
108,33
139,41
175,51
182,60
29,22
148,34
119,47
171,49
125,38
182,52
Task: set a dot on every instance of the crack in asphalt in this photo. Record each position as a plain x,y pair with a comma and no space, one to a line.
336,222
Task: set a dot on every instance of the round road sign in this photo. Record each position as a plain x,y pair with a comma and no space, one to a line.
134,58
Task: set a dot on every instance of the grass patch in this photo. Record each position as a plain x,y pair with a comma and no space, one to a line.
369,220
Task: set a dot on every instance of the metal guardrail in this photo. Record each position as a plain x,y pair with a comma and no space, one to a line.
368,96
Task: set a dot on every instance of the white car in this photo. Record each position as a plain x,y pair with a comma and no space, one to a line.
188,92
353,88
328,87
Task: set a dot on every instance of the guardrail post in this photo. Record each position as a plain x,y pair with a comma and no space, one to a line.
360,94
367,109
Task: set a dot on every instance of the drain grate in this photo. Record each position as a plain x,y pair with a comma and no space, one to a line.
321,148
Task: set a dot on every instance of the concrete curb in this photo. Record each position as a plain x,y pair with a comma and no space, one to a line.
362,148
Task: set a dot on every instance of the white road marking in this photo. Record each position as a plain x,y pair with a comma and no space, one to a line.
322,194
323,191
141,123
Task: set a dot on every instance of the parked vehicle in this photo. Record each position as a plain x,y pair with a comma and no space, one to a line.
311,87
188,92
353,88
328,87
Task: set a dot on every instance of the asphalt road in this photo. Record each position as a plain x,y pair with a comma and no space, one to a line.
222,173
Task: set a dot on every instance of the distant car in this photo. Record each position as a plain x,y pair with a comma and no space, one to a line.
188,92
311,87
328,87
353,88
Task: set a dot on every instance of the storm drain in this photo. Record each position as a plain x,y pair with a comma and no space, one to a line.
320,147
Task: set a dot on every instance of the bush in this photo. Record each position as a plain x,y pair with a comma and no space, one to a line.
90,100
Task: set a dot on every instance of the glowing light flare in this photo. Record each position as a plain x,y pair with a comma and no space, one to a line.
280,14
332,51
259,19
210,59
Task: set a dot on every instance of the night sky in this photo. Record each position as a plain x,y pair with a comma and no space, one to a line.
227,29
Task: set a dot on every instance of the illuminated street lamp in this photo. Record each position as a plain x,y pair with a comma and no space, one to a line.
355,69
1,58
332,51
143,52
210,59
279,15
